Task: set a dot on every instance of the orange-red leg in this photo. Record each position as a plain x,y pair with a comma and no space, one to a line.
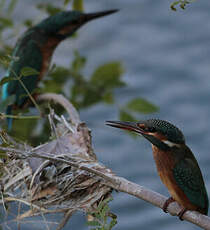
181,213
167,202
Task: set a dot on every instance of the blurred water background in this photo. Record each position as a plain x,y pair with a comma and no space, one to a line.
166,56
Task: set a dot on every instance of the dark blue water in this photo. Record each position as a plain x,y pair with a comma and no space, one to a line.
166,55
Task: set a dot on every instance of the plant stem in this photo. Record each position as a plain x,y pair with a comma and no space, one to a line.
28,93
20,117
30,96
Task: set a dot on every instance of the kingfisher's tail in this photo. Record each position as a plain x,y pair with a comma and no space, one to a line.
9,119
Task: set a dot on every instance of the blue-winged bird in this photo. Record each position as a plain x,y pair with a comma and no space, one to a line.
176,164
35,49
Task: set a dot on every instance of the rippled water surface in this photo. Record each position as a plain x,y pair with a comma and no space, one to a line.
166,55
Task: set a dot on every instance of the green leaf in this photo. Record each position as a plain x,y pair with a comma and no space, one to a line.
182,4
125,116
24,127
108,75
97,215
141,105
66,2
104,211
6,59
6,22
78,5
112,224
103,203
52,86
12,6
173,5
93,223
48,8
89,96
59,74
6,79
28,71
28,23
108,98
78,63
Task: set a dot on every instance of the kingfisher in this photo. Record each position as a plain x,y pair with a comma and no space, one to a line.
176,165
35,49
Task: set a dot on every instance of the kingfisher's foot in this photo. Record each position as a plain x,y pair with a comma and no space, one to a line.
181,213
167,202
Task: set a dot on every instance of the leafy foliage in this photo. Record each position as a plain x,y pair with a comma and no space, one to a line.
78,5
6,79
98,87
102,218
83,91
142,106
28,71
125,116
182,4
136,106
86,91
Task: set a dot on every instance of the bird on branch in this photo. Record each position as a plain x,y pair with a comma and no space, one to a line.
176,165
35,49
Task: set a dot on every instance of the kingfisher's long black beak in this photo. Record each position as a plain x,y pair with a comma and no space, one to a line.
130,126
139,127
91,16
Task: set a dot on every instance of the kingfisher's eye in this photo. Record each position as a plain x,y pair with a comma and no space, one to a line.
150,129
146,128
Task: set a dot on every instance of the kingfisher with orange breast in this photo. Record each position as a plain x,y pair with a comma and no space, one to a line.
35,49
176,165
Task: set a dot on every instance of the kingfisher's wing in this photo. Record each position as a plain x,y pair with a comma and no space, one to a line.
189,178
28,54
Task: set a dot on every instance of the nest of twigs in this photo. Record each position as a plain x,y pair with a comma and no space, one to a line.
53,177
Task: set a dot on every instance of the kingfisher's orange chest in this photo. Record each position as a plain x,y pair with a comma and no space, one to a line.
165,162
47,50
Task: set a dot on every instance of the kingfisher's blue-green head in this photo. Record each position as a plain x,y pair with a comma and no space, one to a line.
160,133
64,24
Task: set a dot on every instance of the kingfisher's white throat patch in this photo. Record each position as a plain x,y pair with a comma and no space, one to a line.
170,144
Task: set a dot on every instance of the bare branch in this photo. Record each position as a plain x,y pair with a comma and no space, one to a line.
55,174
67,216
60,99
123,185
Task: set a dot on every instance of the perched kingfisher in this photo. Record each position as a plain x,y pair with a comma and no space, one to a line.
35,49
176,164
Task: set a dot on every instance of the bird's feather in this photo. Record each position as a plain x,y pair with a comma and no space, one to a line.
29,55
189,178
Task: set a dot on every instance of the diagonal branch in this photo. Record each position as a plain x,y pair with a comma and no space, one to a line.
67,216
126,186
80,146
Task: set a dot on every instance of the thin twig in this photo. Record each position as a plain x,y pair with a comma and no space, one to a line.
11,199
30,213
67,215
45,221
80,166
60,99
19,116
108,178
27,91
123,185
